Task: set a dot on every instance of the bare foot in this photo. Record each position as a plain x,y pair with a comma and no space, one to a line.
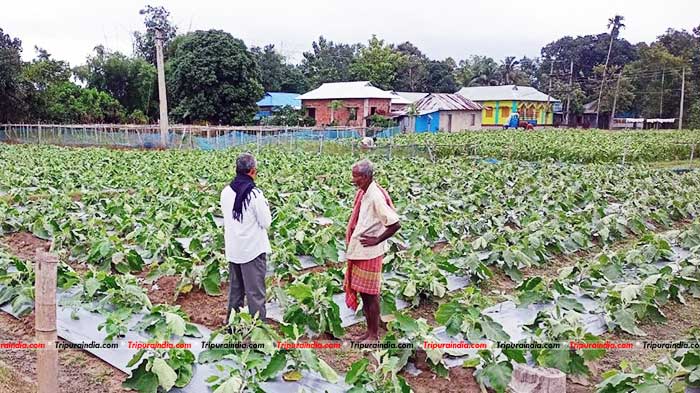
361,337
370,339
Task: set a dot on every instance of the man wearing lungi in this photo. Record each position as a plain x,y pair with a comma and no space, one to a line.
373,220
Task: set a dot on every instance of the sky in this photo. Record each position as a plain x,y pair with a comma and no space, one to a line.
70,29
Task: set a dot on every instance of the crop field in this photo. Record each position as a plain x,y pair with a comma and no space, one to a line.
556,227
579,146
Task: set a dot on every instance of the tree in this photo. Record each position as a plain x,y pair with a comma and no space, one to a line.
69,103
132,81
656,63
328,62
440,77
334,106
44,70
626,92
477,71
155,18
694,116
377,63
509,70
213,77
529,69
412,74
40,74
586,52
276,74
12,104
614,24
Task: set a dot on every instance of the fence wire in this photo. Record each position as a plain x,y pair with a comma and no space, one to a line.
180,136
337,140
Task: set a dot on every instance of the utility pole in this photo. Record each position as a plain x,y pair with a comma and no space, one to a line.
680,115
661,97
161,89
617,89
549,90
571,88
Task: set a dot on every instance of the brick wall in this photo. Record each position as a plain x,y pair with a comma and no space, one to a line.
342,115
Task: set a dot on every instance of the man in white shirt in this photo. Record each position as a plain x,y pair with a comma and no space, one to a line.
246,221
373,220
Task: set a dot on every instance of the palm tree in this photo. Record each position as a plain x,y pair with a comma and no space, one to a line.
335,105
485,74
614,24
509,70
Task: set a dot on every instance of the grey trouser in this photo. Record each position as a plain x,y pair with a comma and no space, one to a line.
248,279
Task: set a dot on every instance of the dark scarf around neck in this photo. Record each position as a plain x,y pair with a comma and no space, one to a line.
242,185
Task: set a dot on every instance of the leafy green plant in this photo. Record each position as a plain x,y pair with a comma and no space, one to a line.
165,320
403,328
105,254
241,328
365,376
557,326
16,284
309,302
464,315
494,368
159,368
418,277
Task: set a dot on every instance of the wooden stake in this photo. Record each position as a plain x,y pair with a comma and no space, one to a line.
45,322
680,114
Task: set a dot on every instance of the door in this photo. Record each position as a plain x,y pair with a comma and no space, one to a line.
449,122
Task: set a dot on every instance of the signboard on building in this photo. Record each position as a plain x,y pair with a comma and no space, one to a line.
557,107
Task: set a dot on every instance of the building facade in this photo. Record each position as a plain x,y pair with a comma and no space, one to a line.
346,103
499,102
441,112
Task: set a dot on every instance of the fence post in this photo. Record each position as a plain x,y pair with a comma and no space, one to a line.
45,322
692,152
258,140
430,152
320,146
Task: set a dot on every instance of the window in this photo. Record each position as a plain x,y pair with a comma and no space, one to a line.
505,112
353,114
473,120
372,110
489,111
311,112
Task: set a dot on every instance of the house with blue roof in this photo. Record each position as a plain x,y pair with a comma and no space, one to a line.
273,101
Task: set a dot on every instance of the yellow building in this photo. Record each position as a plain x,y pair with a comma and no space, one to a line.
500,102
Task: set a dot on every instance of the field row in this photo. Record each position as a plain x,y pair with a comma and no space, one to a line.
579,146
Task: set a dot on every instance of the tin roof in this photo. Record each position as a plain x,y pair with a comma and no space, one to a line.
505,93
399,99
280,99
341,90
411,96
434,102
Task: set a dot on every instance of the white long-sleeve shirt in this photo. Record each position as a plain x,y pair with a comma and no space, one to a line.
246,239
